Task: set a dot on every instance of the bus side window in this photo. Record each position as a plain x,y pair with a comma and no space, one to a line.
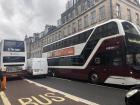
138,59
117,58
113,58
129,59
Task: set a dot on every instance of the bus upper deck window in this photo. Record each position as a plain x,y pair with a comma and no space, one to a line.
138,59
129,59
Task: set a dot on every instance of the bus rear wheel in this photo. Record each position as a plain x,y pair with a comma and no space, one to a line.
94,78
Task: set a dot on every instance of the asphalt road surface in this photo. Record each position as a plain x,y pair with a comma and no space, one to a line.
57,91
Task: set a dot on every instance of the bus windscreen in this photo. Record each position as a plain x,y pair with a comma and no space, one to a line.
9,59
14,46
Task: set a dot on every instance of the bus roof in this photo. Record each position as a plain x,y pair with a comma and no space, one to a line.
111,20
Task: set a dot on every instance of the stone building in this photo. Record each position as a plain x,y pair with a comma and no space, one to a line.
82,14
29,42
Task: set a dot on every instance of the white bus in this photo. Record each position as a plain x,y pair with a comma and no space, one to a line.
13,57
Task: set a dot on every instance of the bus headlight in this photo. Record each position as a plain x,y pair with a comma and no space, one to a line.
131,93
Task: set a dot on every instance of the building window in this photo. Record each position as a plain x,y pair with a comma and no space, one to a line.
56,37
92,2
79,24
79,9
46,41
69,16
69,29
128,14
102,13
60,34
137,19
86,21
53,39
76,11
75,1
73,13
74,27
85,5
50,40
118,11
93,17
64,33
65,19
96,1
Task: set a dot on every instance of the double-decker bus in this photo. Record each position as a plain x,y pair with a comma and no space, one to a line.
13,57
107,53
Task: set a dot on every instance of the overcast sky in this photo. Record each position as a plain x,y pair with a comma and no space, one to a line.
21,17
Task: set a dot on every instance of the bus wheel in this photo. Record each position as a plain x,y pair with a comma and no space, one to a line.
94,78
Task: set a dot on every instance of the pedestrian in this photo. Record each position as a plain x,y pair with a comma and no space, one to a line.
1,78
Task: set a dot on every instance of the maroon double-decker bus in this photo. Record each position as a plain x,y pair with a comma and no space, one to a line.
108,53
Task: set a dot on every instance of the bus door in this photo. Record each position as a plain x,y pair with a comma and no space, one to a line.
109,63
115,62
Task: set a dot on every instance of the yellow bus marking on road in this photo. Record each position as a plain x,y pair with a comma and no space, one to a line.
75,98
4,98
45,99
26,101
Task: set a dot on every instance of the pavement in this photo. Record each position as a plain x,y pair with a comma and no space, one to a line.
57,91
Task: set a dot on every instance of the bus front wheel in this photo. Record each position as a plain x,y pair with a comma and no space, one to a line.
94,78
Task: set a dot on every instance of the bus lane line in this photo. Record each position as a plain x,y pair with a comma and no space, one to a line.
4,98
72,97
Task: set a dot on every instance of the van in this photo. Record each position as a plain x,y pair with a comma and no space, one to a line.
37,66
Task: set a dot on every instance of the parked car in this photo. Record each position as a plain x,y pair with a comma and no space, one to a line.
133,96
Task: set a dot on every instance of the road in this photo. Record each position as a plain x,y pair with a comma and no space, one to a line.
57,91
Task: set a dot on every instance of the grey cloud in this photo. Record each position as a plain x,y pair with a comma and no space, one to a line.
7,31
29,16
8,8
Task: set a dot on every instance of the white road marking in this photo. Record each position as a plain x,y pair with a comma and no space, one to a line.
4,98
75,98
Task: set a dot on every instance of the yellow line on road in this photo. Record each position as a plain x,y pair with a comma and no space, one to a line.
4,98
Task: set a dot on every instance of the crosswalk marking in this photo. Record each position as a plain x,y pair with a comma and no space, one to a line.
4,98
